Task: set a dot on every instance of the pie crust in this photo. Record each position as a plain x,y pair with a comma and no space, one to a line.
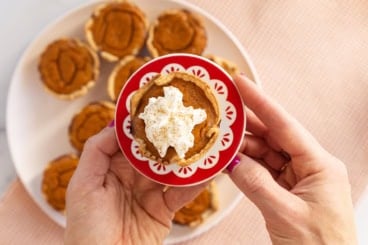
197,211
89,121
121,73
117,29
68,68
228,65
177,31
56,177
196,93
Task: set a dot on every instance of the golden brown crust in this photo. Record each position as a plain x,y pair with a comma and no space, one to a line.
177,31
229,66
68,68
197,94
195,212
117,29
121,73
89,121
56,177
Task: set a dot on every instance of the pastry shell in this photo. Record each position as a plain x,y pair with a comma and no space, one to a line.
118,43
64,63
197,211
196,93
121,73
177,31
229,66
89,121
56,178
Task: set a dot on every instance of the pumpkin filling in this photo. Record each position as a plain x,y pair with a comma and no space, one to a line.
56,178
197,98
121,74
177,31
67,66
118,29
89,121
196,211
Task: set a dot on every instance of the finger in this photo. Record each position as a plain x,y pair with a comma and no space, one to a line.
259,186
274,173
177,197
96,157
256,147
254,124
291,136
256,127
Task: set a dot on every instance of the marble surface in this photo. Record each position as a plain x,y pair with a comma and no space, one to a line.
21,21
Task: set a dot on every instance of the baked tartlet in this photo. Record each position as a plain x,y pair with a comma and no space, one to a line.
117,29
68,68
195,212
121,73
175,118
56,177
177,31
229,66
89,121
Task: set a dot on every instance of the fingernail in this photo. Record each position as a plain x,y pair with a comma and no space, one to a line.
233,163
242,73
111,124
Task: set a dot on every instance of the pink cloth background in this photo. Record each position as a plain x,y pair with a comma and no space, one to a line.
312,57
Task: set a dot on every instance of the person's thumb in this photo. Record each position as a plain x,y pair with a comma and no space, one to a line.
257,183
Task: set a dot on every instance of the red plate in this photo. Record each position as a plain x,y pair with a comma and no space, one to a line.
232,124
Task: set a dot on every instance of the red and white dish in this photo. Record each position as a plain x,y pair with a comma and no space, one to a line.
232,123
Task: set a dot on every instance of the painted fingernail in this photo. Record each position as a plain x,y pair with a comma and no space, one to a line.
233,163
111,124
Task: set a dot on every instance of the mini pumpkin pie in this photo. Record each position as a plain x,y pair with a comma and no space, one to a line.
117,29
68,68
174,118
121,73
177,31
89,121
228,66
56,177
195,212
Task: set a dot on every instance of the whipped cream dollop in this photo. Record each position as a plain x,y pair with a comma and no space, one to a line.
170,123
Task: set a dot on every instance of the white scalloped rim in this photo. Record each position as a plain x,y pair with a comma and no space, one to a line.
223,141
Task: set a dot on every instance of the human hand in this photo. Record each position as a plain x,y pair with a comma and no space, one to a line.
108,202
302,191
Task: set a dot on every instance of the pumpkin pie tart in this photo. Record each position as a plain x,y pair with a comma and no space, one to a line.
68,68
56,177
228,65
175,118
89,121
177,31
121,73
195,212
117,29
